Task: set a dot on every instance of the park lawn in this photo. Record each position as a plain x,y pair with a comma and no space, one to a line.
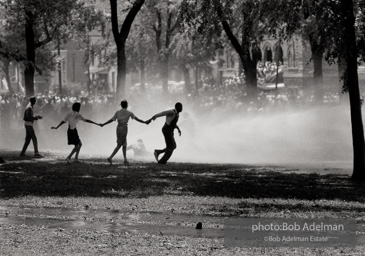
197,190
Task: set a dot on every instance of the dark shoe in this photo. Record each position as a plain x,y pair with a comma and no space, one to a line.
22,155
126,163
156,155
68,160
38,156
110,161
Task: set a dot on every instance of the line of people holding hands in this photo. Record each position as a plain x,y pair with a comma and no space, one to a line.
122,116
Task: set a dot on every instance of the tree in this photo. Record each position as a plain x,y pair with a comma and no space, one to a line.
164,17
88,19
120,38
317,28
10,50
140,50
192,50
41,21
352,82
245,23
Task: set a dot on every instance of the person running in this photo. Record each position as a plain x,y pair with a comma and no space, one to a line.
172,116
122,116
73,118
29,118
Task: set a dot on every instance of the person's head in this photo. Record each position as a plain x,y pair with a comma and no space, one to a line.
124,104
76,107
32,100
178,107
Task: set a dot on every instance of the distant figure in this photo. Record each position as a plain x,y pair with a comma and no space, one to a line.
122,116
139,149
29,118
172,116
72,135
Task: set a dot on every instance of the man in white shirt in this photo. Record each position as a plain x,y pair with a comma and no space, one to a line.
122,116
29,118
72,135
172,116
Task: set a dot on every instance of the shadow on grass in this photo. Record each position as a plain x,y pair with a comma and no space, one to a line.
95,178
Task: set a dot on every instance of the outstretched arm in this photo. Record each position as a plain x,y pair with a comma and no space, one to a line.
61,123
163,113
91,122
139,120
107,122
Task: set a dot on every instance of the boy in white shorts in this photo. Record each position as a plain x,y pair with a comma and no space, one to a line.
122,116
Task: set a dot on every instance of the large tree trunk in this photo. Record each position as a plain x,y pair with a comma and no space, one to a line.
165,75
243,49
120,38
30,49
352,81
317,57
249,65
122,71
249,70
318,70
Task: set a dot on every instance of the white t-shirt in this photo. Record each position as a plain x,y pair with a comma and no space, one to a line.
73,118
122,116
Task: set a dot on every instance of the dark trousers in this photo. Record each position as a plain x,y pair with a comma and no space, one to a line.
30,135
168,133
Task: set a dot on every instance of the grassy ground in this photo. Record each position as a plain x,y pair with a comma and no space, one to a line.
177,188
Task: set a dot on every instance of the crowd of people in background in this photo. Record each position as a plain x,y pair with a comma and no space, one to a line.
229,97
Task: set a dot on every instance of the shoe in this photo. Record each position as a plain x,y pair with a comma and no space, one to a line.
156,155
77,161
22,155
68,160
126,163
38,156
110,161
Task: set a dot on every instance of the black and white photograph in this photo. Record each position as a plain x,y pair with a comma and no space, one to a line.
182,127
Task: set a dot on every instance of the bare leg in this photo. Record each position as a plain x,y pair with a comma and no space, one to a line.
72,152
78,151
114,152
125,154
